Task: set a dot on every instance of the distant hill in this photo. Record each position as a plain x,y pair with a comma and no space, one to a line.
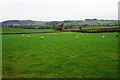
25,24
19,22
30,24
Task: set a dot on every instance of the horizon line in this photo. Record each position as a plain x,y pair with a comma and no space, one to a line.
56,20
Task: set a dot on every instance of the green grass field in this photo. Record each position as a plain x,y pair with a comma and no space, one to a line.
18,30
0,57
60,55
95,27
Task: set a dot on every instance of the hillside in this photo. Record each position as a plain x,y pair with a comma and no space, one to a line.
68,24
23,23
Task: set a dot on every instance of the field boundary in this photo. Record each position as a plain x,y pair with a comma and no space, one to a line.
96,30
29,33
82,31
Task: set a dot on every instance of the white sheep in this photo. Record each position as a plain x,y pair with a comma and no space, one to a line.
103,36
28,36
76,37
41,37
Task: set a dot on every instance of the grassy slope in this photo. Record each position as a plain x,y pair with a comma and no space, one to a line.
60,56
95,27
83,22
102,27
16,30
41,23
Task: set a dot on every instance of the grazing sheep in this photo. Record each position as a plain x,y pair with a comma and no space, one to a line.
41,37
28,36
76,37
103,36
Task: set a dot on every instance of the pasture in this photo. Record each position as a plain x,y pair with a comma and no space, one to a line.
18,30
60,55
99,27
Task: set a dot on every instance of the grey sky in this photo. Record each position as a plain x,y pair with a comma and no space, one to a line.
49,10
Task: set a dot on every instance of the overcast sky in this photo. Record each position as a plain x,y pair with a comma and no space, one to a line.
51,10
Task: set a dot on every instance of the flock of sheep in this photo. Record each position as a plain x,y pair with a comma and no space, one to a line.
77,36
29,36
